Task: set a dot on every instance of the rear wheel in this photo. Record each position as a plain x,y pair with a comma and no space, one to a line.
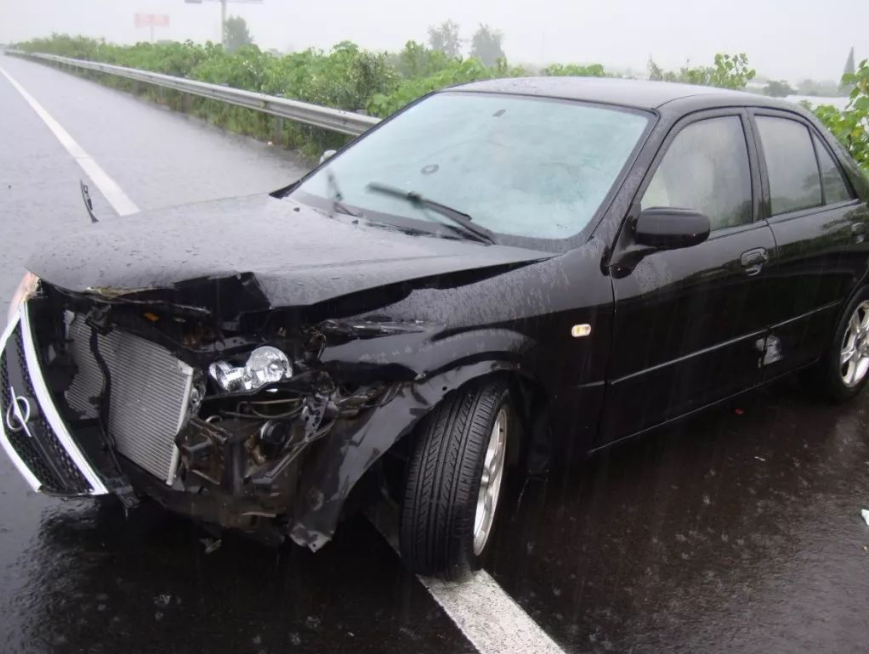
454,481
842,373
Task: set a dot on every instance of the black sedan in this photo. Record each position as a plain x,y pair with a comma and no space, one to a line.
501,273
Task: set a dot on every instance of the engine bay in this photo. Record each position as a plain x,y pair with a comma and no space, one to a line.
192,412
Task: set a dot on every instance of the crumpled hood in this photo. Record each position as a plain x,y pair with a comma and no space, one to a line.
294,254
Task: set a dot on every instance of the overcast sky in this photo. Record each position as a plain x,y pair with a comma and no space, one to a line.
790,39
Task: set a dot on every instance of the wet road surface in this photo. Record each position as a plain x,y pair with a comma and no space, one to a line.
737,531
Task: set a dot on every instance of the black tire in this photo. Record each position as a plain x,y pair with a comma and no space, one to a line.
443,481
825,377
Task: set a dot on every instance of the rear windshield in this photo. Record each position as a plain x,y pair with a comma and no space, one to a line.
527,167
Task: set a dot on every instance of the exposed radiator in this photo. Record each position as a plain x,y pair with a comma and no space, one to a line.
150,393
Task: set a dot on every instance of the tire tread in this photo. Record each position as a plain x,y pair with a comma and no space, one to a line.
437,517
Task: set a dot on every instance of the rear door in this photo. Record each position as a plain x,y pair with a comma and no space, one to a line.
688,321
820,229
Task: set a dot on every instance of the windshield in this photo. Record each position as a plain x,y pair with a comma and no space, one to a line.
521,166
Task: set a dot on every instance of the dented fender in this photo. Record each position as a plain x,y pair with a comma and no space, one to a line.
351,449
429,350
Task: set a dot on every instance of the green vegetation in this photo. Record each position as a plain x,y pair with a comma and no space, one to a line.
572,70
728,72
851,126
379,83
347,77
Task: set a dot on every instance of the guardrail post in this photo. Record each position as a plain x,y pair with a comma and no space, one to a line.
278,137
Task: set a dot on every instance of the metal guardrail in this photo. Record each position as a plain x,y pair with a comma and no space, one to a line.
336,120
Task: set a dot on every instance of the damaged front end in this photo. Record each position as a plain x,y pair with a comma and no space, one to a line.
247,423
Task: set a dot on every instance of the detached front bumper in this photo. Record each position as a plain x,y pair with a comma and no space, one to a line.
32,432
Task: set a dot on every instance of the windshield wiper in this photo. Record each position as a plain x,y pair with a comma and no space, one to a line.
459,218
336,197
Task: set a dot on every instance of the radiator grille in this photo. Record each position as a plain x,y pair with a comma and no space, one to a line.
150,391
43,454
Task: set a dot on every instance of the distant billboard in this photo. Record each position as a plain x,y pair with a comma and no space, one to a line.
152,20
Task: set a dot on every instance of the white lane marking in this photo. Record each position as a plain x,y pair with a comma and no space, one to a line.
122,204
483,612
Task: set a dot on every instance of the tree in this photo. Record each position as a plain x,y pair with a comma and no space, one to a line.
844,87
656,74
418,61
486,45
445,38
779,89
827,88
236,34
850,67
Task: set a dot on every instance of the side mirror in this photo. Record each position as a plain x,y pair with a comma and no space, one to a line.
326,155
669,228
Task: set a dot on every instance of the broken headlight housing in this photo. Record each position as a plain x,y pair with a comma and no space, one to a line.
265,365
26,290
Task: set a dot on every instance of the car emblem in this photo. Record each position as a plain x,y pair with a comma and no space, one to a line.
18,413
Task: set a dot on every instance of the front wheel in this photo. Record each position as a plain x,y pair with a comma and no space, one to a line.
842,373
454,480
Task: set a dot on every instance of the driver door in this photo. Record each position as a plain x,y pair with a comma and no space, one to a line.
689,323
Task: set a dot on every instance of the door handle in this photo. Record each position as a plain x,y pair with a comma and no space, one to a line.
752,260
858,232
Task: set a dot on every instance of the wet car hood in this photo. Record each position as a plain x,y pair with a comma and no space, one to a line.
293,255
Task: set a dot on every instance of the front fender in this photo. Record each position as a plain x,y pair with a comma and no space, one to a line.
350,450
421,354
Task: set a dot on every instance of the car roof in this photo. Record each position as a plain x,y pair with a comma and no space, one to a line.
640,94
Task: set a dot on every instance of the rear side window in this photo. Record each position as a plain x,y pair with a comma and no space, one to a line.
706,169
835,188
794,181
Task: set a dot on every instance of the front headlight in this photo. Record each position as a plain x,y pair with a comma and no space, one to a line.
265,365
26,289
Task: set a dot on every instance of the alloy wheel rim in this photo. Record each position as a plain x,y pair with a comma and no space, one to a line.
854,353
490,482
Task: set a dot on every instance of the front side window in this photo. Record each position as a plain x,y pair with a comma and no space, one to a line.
794,181
835,189
706,169
528,167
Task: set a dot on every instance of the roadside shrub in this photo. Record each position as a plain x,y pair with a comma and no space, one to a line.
851,125
573,70
727,72
408,90
378,83
346,77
